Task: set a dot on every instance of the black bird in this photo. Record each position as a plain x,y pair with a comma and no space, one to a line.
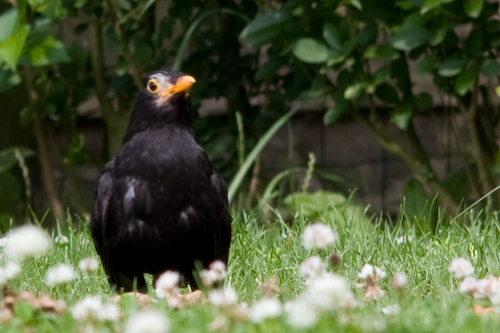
160,204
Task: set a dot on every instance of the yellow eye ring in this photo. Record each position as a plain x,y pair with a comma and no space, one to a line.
153,86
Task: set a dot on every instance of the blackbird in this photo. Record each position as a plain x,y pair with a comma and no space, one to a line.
160,204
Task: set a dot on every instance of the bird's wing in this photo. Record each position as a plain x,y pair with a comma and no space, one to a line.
103,194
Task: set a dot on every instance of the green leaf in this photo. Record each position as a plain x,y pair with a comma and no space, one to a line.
24,311
49,51
401,115
423,102
473,8
332,36
381,75
9,23
265,27
12,47
310,50
410,38
386,93
429,5
438,35
333,113
465,81
9,79
354,90
426,65
490,68
269,68
497,91
451,67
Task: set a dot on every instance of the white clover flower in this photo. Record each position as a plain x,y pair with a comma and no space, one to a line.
404,239
109,312
61,273
318,236
148,321
167,284
61,239
88,265
371,274
328,291
222,297
312,267
264,309
460,268
493,291
87,309
218,267
373,293
485,288
8,272
215,273
391,309
468,286
208,277
301,313
3,241
26,241
399,281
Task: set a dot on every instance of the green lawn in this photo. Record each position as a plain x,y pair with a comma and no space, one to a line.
429,303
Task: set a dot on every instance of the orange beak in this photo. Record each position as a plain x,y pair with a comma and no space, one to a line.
183,83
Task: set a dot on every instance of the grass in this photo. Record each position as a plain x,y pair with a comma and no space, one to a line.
430,302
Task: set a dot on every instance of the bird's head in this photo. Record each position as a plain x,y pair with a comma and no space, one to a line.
163,87
163,101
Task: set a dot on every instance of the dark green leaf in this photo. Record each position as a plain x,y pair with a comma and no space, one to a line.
490,68
368,35
49,51
451,67
430,4
333,113
410,38
492,26
269,68
354,90
401,115
310,50
458,184
265,27
381,75
332,36
438,34
386,93
8,79
423,102
473,8
465,81
426,65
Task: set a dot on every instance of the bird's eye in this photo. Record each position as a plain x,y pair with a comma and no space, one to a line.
153,86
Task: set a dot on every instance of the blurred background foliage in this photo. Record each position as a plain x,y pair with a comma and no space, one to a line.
263,60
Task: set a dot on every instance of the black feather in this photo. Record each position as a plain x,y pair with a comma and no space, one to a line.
160,205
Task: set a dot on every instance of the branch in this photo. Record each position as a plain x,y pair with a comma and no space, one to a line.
43,156
421,168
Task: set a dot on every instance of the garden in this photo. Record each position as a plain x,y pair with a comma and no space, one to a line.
305,255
